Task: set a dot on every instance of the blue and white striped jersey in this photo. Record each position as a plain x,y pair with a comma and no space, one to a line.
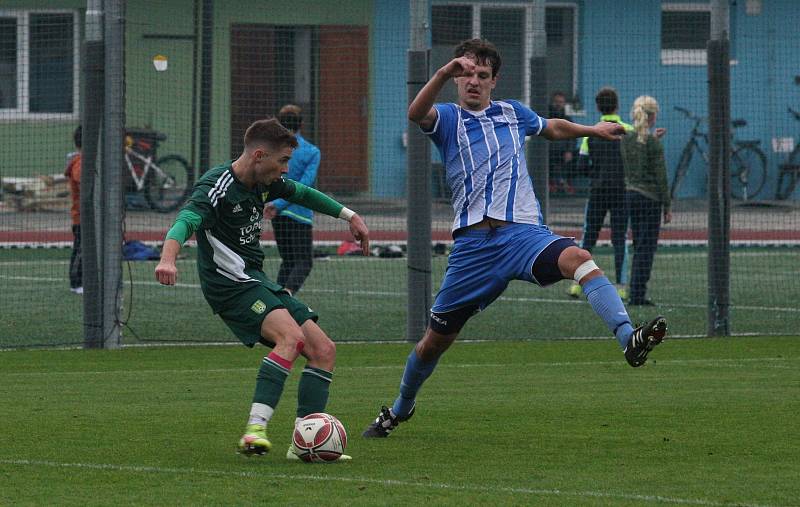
483,155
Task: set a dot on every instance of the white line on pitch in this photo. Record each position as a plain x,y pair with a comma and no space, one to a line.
402,294
488,488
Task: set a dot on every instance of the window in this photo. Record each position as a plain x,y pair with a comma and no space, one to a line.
560,25
685,31
38,62
508,26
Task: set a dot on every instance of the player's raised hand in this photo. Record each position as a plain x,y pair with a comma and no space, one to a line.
609,130
461,66
359,231
166,273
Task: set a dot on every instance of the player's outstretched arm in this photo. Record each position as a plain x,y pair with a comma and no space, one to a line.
421,110
558,128
314,199
186,223
167,270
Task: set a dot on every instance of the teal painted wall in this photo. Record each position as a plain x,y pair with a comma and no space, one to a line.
620,46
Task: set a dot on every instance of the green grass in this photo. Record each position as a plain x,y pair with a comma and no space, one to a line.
705,422
365,299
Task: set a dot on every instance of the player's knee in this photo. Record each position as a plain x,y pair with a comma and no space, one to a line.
586,270
326,351
294,340
577,263
579,256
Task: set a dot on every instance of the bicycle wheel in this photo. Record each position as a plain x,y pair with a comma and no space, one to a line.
788,175
168,183
748,172
680,171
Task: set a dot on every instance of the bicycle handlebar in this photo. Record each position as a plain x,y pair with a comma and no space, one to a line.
684,111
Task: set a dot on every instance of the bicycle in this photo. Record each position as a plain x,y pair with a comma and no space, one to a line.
748,161
167,182
789,173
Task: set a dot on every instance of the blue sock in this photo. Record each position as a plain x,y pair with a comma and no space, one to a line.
607,304
414,375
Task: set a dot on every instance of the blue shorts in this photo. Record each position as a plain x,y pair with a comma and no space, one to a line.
483,261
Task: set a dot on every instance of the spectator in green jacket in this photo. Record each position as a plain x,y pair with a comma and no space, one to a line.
646,192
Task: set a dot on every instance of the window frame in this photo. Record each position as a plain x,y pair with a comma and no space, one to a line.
695,57
527,52
22,111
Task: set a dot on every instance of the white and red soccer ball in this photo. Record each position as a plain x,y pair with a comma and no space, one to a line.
319,437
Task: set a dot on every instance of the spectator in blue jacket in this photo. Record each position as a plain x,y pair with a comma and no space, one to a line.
292,223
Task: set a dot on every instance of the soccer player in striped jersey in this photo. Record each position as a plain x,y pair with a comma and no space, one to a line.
498,230
225,212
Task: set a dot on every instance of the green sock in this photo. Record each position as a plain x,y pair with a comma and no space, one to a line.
312,393
269,383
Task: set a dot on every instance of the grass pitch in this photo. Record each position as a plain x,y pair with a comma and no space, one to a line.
364,299
706,422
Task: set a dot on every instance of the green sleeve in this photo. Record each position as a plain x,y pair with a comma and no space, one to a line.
186,223
660,169
314,199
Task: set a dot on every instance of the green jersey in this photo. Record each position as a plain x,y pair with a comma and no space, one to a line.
226,217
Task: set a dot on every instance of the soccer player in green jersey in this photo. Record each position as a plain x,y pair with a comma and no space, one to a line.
225,212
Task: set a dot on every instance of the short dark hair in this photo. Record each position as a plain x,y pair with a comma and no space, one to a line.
77,137
270,132
291,120
607,100
484,51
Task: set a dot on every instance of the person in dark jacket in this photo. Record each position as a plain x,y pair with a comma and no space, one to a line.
603,161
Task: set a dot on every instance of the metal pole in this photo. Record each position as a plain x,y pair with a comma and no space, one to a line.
91,114
207,36
719,176
113,139
538,163
418,185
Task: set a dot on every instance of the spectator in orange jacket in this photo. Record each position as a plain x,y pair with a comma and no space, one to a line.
73,174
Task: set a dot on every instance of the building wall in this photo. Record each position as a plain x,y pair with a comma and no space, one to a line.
389,71
37,147
619,45
621,48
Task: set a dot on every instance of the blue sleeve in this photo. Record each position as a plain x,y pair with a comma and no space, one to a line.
444,125
311,167
532,123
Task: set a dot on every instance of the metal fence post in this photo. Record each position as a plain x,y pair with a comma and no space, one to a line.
112,191
91,110
719,175
418,186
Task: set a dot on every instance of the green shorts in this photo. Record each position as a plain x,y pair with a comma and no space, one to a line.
246,311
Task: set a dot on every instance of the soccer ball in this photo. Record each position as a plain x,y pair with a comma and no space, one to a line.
319,437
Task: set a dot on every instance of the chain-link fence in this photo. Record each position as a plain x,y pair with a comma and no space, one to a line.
197,73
